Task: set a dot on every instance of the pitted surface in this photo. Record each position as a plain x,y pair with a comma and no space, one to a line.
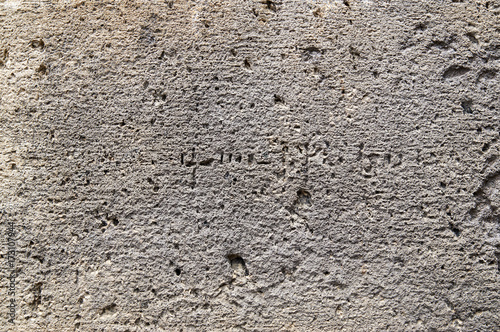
251,165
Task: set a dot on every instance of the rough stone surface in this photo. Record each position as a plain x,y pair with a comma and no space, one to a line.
251,165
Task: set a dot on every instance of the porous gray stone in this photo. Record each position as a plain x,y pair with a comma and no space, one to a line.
312,165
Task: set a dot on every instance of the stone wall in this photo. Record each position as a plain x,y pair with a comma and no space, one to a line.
312,165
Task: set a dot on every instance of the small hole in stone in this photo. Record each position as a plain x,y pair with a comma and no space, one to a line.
238,265
454,229
303,197
37,43
178,271
42,69
467,106
421,26
271,5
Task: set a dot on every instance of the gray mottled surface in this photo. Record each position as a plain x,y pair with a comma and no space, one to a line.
251,166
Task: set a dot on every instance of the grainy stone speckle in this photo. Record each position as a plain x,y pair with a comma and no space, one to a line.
251,165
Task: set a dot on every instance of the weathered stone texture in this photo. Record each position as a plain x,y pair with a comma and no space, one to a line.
251,165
